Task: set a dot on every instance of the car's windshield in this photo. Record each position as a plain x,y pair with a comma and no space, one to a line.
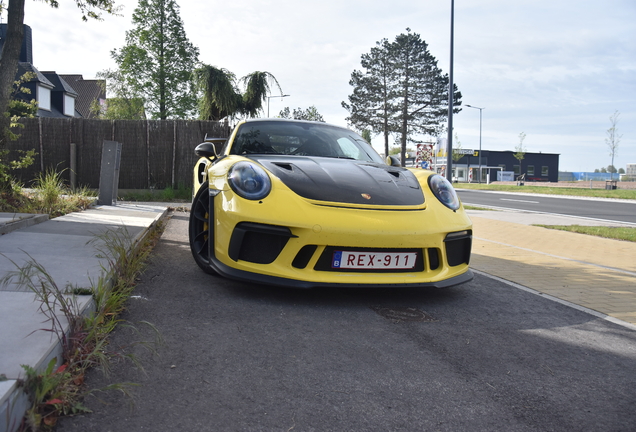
301,139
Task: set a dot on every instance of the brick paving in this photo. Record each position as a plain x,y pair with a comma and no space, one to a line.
593,272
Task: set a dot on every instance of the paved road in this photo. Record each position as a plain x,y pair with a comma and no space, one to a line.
613,210
482,356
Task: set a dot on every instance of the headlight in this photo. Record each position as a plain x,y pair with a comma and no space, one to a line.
444,191
249,180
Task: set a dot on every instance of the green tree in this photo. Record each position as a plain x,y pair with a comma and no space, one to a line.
400,91
457,147
220,96
310,114
422,88
366,135
19,105
613,138
398,149
621,171
257,87
371,104
520,151
122,103
158,59
13,42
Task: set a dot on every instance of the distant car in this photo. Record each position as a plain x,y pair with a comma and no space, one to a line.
307,204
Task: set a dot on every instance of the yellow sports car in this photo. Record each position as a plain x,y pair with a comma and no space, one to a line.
307,204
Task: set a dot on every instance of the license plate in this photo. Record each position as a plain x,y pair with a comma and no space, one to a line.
373,260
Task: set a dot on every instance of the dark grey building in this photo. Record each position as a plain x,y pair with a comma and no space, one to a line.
535,166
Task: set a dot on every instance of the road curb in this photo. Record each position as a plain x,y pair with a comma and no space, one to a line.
14,402
22,221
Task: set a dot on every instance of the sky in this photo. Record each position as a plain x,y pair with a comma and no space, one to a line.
555,70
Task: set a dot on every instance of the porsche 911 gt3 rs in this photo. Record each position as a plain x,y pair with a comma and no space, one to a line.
307,204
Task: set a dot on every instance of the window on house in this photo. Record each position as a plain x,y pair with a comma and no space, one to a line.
544,171
69,106
516,169
502,166
530,170
44,98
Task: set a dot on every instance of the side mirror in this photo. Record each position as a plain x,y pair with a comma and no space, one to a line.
393,161
206,150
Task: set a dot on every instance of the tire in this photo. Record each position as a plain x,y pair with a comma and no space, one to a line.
199,230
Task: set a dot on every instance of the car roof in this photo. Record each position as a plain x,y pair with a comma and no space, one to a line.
257,120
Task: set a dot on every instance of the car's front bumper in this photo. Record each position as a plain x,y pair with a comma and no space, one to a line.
288,242
246,276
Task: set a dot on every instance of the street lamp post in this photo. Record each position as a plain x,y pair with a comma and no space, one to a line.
269,97
449,142
480,109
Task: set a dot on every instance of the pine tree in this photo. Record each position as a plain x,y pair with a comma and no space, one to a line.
401,90
158,59
371,105
310,114
422,89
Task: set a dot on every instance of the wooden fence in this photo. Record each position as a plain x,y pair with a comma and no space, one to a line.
155,153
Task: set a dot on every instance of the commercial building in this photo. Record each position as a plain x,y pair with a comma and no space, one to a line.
502,165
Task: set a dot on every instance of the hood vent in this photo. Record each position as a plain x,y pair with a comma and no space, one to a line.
285,166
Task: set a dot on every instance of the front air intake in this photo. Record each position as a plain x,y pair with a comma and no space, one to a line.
458,245
258,243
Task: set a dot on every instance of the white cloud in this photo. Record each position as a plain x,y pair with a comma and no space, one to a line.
554,69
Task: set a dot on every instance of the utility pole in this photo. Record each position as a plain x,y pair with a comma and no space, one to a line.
449,143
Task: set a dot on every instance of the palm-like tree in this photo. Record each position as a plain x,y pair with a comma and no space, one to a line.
257,87
219,95
221,98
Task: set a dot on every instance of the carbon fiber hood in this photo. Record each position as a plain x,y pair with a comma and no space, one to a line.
345,181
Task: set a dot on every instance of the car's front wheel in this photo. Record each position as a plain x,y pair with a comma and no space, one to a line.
200,232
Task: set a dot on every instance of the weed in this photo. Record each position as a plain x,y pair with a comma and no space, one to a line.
57,392
49,186
169,194
49,196
52,298
50,395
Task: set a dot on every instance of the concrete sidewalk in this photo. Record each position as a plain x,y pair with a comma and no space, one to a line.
67,248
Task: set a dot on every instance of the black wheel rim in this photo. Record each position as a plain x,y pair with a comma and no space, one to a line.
201,225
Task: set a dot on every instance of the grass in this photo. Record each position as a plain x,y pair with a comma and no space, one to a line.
49,195
169,194
616,233
59,391
548,190
469,207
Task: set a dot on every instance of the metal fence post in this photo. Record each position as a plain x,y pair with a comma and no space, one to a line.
109,173
73,166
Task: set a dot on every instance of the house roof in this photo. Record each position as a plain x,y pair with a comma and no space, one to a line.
60,84
87,91
39,77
